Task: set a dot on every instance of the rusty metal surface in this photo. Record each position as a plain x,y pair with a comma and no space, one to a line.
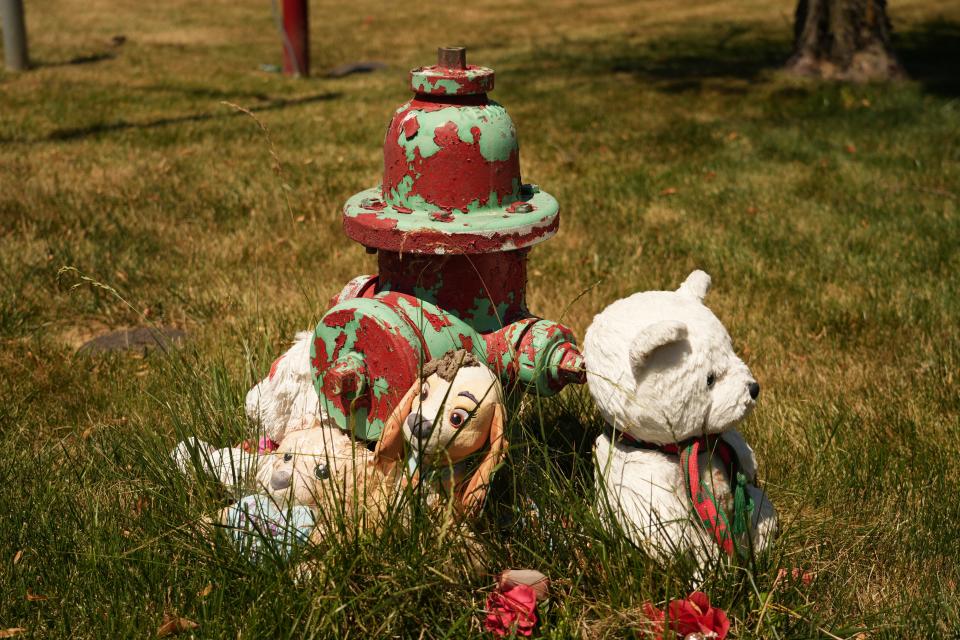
452,57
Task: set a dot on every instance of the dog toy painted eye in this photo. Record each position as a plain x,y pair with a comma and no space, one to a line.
321,471
711,379
287,457
459,417
424,390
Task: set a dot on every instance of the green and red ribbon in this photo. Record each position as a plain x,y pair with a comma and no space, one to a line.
705,504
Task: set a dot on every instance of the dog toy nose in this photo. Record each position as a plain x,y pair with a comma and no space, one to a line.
280,480
754,390
419,426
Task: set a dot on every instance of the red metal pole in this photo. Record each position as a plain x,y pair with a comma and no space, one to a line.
296,38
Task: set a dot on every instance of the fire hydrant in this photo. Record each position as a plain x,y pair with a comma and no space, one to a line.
452,224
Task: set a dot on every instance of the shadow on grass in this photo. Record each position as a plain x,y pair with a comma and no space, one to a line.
724,56
930,54
98,128
684,64
728,58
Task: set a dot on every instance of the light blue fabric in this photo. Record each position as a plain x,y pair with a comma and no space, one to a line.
260,527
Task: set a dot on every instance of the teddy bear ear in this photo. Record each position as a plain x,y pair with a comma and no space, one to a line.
697,284
651,338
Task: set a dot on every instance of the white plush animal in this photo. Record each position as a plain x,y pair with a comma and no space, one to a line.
286,399
675,474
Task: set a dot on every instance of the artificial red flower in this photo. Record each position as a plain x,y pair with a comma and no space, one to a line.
655,616
512,608
692,615
264,445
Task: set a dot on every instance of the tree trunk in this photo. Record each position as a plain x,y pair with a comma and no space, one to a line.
843,40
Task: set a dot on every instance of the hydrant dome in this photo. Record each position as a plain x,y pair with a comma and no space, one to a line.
451,180
456,158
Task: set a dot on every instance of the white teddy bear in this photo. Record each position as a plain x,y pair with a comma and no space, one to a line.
676,476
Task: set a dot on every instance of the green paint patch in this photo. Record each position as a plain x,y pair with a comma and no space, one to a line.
497,134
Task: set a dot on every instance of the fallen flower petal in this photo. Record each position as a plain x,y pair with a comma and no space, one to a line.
511,609
691,617
533,579
655,617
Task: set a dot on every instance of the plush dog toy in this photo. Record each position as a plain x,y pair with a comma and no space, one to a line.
453,411
675,475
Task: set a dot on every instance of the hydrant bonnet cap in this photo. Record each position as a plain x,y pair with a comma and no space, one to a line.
451,181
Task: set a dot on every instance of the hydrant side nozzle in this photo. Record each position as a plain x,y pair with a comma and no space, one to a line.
572,368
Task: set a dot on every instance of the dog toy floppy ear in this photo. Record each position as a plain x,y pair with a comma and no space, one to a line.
473,495
390,445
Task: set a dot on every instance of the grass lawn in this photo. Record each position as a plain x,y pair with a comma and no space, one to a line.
827,215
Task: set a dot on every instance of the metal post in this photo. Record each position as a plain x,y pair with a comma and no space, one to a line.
296,38
14,35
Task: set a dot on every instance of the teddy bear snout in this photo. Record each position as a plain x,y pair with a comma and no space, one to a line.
420,427
754,388
280,479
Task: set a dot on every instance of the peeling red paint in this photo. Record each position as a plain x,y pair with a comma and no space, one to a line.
441,178
374,221
387,354
273,367
339,318
438,322
456,283
410,127
520,204
470,81
320,360
338,346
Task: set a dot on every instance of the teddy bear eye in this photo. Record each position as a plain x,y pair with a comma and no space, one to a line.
458,417
711,379
424,390
321,471
287,457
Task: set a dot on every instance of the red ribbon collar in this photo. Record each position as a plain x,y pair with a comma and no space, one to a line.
709,512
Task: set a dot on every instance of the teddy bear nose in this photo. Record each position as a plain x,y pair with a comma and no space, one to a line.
419,426
280,480
754,389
